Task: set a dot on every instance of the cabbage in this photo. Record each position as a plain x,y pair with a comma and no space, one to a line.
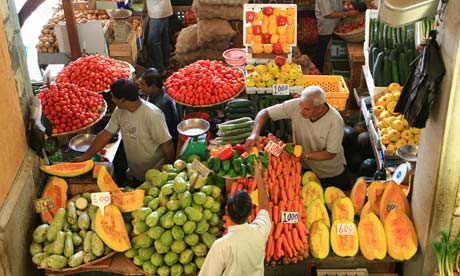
171,258
177,270
178,246
163,270
189,268
156,259
155,232
200,249
186,256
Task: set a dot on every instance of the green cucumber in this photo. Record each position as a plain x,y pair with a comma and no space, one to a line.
403,68
235,125
387,71
234,131
378,69
239,103
375,53
236,121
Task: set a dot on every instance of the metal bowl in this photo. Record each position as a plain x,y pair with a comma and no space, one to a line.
193,127
408,152
81,142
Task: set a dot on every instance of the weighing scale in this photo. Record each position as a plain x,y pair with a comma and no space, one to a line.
121,28
196,131
404,173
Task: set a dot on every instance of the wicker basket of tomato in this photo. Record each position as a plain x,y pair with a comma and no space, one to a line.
351,29
205,83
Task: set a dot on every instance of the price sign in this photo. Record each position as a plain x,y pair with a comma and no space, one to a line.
345,229
289,217
391,206
274,148
101,199
281,89
43,204
200,168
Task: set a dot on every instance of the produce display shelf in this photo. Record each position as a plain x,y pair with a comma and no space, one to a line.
208,105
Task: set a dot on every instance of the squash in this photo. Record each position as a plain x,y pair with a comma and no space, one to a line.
374,195
68,169
316,211
366,210
96,169
331,194
318,239
401,236
309,176
105,181
358,194
56,190
342,208
111,228
372,239
129,201
344,238
310,192
393,197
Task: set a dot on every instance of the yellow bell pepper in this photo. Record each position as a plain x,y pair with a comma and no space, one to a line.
249,30
248,38
290,38
259,16
257,48
265,20
286,48
272,20
257,39
264,29
283,12
276,11
298,150
272,29
290,19
283,39
274,38
290,11
281,30
268,49
255,150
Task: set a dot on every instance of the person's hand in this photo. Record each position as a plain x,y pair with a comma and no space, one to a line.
252,141
351,13
257,168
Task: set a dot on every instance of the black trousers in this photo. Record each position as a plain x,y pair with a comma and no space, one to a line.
341,181
320,52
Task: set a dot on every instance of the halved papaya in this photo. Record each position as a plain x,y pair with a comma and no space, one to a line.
344,238
309,176
105,181
316,211
318,239
366,210
56,190
111,228
372,239
310,192
374,195
401,236
342,208
332,193
68,169
129,201
393,198
358,194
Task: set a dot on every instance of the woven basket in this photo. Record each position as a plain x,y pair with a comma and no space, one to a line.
355,36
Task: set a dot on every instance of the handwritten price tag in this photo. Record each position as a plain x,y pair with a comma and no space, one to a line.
43,204
101,199
345,229
200,168
274,148
281,89
289,217
391,206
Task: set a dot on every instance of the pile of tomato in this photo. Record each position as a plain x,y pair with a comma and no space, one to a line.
348,26
69,107
95,72
204,82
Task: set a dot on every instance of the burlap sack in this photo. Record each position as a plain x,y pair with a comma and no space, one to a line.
214,30
206,11
224,2
187,41
187,58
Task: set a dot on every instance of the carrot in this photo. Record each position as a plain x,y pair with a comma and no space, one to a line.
276,214
270,213
270,246
290,194
283,194
279,229
288,236
295,239
301,232
286,246
278,250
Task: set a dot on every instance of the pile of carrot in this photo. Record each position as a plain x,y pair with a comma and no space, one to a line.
287,242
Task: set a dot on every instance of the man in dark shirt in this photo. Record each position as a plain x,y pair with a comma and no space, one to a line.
151,85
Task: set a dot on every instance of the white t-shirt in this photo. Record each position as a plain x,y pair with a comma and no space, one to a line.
142,132
326,26
159,8
326,133
241,251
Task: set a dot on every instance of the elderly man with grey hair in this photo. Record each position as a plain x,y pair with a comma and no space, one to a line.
318,127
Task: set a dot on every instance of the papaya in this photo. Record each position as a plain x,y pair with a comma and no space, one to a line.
358,195
344,238
68,169
374,194
316,211
111,228
309,176
400,235
310,192
366,210
56,190
372,239
330,194
129,201
318,239
105,181
342,208
96,169
393,198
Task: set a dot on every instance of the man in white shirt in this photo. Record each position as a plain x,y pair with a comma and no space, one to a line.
241,251
318,127
159,12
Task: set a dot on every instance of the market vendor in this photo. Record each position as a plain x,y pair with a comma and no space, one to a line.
151,85
242,250
318,127
143,128
159,12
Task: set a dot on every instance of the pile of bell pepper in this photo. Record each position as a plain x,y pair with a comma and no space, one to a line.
234,161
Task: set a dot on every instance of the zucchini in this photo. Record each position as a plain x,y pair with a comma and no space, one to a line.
239,103
387,71
371,57
233,131
375,53
403,68
235,125
394,71
236,121
380,40
371,30
378,70
385,40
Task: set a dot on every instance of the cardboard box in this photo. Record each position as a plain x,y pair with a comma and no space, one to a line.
126,51
91,36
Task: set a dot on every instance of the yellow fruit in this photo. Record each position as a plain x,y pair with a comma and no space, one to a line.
384,115
256,76
394,87
250,83
286,68
383,100
400,143
407,134
378,109
405,123
415,130
384,131
397,124
391,146
266,76
393,135
417,138
261,68
260,84
249,67
391,107
411,141
385,139
381,125
395,95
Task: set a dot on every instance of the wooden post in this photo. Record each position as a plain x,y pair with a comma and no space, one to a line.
71,29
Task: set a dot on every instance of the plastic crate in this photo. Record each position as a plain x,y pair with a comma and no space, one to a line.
289,269
336,89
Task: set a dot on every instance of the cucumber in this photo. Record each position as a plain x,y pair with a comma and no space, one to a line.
236,121
233,131
235,125
239,103
380,40
403,68
394,71
387,71
371,30
385,40
378,69
375,53
371,57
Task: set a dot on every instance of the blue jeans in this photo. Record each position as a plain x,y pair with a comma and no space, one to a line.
158,42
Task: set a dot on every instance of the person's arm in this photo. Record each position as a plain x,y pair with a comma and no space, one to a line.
340,14
261,191
318,155
102,139
214,262
253,139
167,149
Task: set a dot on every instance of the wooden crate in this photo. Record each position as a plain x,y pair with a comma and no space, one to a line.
126,51
356,61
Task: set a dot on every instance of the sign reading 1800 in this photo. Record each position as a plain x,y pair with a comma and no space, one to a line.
289,217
